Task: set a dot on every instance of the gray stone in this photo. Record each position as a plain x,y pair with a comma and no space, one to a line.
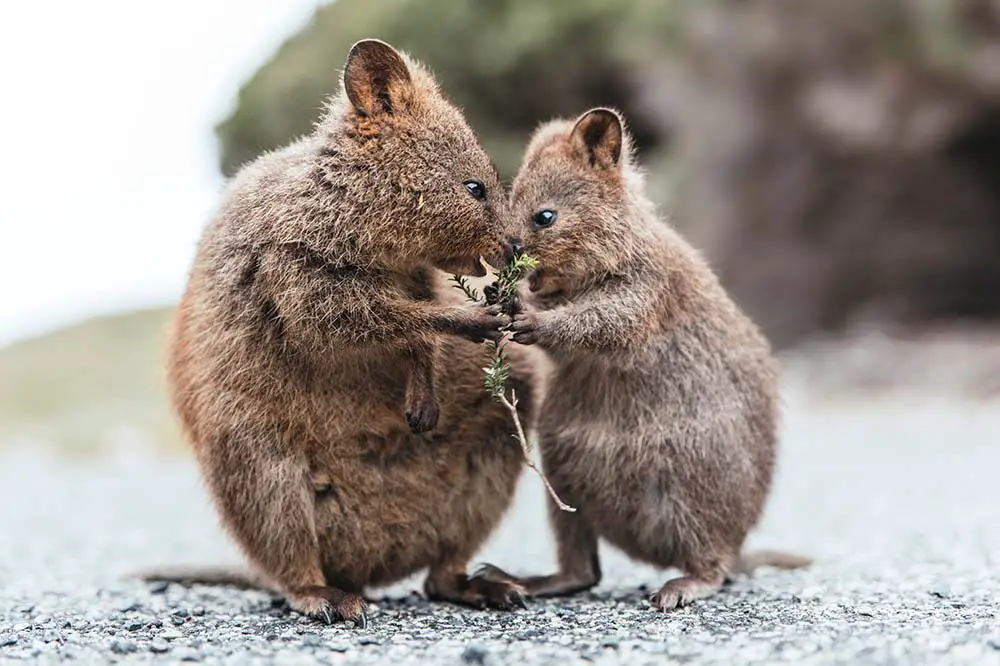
475,654
123,647
159,646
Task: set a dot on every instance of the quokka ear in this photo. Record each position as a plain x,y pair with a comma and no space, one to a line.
598,136
375,77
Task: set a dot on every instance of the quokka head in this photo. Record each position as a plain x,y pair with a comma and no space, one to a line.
426,190
574,201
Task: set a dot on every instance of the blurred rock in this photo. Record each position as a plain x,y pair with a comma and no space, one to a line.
842,160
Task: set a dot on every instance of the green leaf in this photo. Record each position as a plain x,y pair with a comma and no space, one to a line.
497,371
463,284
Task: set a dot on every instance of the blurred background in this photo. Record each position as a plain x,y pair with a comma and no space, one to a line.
838,161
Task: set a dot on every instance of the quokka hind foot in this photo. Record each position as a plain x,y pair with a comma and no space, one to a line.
475,592
682,591
329,605
562,584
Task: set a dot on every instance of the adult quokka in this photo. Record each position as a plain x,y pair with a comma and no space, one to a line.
305,354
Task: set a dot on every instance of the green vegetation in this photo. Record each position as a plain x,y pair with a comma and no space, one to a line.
508,63
503,292
96,384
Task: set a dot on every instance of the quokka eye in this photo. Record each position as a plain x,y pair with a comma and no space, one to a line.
544,218
476,189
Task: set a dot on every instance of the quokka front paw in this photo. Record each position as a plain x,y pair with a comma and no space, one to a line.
525,328
422,413
482,325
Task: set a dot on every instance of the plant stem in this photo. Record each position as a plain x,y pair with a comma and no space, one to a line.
503,292
511,405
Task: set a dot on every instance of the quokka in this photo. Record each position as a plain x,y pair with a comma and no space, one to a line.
333,397
661,424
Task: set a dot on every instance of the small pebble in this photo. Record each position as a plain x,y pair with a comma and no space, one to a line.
159,646
475,654
123,647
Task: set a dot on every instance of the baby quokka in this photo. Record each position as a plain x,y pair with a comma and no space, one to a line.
660,422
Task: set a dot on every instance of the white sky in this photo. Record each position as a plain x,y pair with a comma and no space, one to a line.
107,157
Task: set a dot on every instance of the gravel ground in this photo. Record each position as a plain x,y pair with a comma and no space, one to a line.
898,501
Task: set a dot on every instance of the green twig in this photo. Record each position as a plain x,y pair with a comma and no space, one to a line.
467,289
497,372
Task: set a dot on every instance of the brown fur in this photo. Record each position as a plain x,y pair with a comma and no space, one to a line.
662,427
310,324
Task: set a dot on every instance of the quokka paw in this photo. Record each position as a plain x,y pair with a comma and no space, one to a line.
496,594
525,329
681,592
329,605
422,414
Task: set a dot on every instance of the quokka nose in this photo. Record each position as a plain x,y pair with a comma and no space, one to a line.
512,249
